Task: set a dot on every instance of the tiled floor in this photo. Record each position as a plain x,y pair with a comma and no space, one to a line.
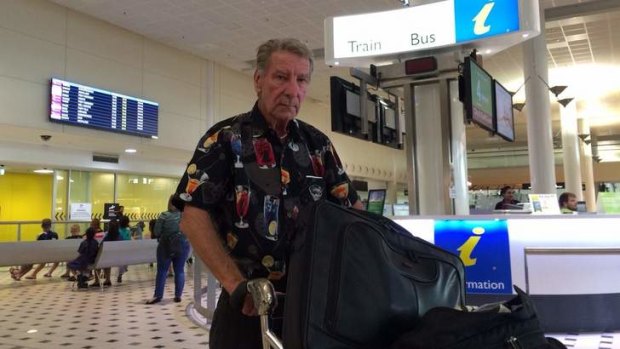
115,318
118,318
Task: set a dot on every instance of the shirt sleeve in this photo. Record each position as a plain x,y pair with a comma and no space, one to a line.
204,183
336,180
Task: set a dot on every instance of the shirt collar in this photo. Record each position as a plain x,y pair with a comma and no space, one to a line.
261,129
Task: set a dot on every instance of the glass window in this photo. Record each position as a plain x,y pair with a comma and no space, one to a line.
144,197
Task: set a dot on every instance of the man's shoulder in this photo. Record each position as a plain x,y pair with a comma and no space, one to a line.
312,131
229,123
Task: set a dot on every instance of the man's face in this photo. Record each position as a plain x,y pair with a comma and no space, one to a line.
281,87
571,204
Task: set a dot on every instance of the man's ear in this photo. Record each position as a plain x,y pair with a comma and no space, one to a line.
257,82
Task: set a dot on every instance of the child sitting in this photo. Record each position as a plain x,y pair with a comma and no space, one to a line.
88,252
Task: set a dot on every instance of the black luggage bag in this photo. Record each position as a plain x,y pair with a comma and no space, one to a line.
510,325
359,280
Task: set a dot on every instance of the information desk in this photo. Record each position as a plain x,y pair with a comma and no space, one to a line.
570,264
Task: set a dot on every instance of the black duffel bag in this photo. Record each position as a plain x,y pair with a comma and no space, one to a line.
359,280
509,325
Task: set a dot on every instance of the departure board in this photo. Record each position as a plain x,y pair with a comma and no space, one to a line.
80,105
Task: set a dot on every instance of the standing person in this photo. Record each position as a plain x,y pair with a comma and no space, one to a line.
568,202
47,234
125,234
75,234
247,182
508,199
95,223
173,247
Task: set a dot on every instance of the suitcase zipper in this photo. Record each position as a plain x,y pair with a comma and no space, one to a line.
514,343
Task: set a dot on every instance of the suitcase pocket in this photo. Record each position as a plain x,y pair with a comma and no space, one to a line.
374,287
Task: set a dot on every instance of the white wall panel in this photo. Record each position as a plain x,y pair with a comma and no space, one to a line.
172,95
28,58
103,40
37,18
24,104
178,131
172,63
91,70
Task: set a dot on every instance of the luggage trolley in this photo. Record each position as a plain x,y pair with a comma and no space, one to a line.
265,300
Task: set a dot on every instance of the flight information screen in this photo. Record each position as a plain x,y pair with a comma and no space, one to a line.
80,105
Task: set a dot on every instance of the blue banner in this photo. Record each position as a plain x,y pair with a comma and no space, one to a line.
484,249
477,19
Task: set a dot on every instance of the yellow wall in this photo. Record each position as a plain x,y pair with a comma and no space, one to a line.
24,196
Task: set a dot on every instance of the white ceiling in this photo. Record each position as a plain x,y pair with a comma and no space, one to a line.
228,32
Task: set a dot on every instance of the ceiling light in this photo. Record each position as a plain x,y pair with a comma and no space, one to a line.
130,150
488,51
43,171
336,63
525,35
518,106
154,137
556,90
564,102
60,178
1,170
32,331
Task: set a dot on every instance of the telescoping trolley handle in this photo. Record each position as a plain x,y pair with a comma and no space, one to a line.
264,296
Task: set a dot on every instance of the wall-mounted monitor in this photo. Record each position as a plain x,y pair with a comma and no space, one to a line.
345,107
502,108
85,106
478,98
389,126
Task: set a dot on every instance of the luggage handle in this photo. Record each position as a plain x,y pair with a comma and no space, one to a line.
265,300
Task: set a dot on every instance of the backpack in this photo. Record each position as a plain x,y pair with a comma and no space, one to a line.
508,325
170,237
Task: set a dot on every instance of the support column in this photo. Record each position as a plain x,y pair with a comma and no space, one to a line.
432,148
570,149
587,171
410,149
539,132
458,152
391,192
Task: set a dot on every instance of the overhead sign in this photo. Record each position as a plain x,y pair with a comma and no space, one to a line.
484,249
424,27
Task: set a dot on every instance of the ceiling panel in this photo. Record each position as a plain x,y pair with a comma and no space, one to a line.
228,32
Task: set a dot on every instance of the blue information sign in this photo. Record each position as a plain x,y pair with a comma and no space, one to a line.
81,105
484,249
476,19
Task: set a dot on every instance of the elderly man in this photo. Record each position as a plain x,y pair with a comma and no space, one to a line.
249,178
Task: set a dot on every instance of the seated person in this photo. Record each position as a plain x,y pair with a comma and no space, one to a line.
508,202
112,235
568,202
88,252
47,234
75,234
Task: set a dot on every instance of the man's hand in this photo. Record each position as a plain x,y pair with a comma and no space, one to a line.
248,306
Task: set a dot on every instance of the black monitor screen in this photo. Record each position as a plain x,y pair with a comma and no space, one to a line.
80,105
504,117
478,95
345,107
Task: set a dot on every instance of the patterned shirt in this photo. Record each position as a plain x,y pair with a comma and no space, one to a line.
254,185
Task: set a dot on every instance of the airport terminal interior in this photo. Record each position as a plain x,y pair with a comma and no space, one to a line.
185,65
